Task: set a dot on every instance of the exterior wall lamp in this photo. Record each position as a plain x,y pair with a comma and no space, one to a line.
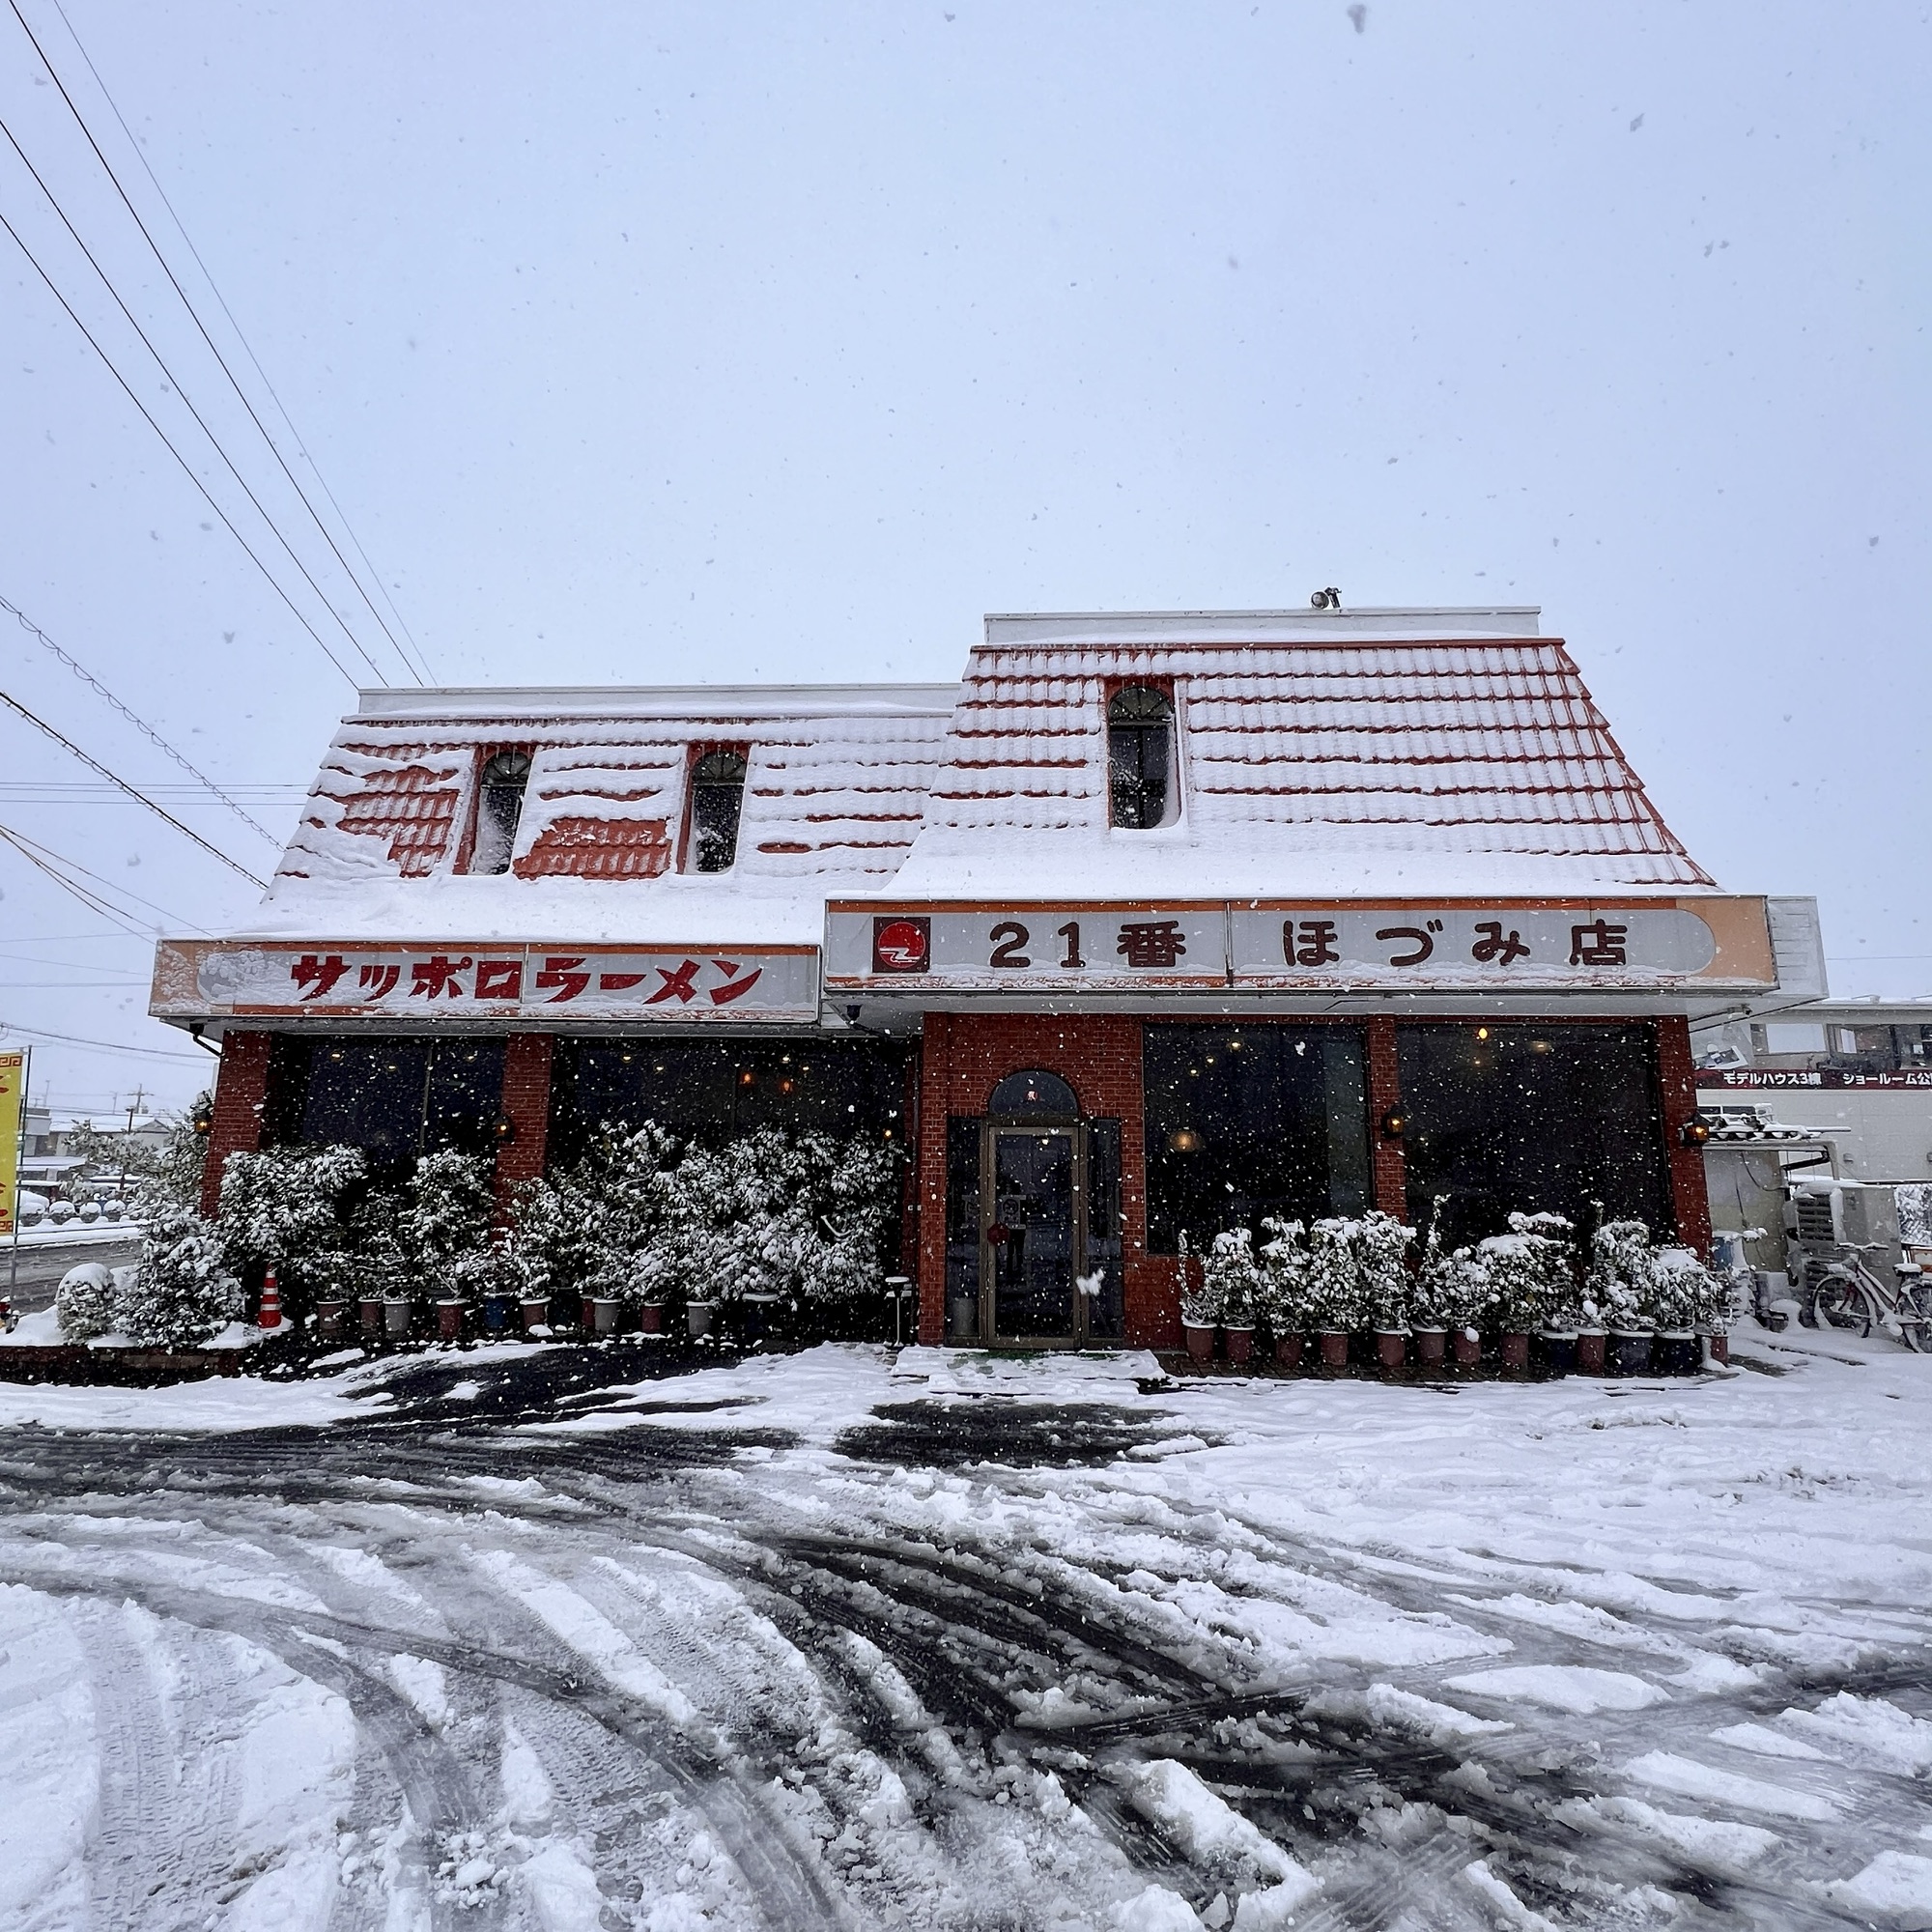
1694,1131
1394,1124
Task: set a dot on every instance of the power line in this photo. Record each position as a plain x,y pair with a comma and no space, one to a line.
47,860
98,1045
247,490
187,469
160,810
181,229
146,729
153,248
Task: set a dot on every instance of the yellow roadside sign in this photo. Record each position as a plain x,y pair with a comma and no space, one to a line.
13,1101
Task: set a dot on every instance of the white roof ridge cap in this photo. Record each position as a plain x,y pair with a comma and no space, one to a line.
1437,623
620,700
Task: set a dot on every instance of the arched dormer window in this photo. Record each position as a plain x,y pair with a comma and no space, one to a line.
499,806
1139,756
717,798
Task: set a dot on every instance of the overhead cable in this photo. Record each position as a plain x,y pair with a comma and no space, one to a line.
97,1045
187,469
140,797
175,382
42,861
153,248
21,842
146,729
247,348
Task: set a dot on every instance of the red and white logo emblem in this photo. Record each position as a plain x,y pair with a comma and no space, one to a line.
901,945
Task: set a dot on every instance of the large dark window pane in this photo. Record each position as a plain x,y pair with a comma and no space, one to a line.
466,1095
1245,1121
394,1099
366,1094
1545,1119
962,1211
1106,1224
712,1090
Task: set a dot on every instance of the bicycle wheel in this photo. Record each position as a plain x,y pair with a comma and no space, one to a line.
1913,1320
1841,1304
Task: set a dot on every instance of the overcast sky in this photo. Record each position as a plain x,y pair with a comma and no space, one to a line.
691,343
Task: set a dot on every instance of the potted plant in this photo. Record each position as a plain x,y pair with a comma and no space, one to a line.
1683,1296
1530,1275
1381,1259
1230,1277
1334,1287
1200,1306
1618,1286
1283,1294
1434,1291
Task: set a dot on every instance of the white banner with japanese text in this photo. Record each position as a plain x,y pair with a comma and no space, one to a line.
197,978
1323,946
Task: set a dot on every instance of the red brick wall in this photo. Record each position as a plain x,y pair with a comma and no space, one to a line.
965,1056
527,1061
1677,1085
241,1088
1385,1091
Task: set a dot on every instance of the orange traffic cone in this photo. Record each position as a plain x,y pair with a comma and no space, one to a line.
270,1315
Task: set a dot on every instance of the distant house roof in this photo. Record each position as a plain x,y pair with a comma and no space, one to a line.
1344,753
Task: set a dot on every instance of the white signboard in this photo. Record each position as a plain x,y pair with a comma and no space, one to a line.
1454,945
1048,948
1491,948
461,982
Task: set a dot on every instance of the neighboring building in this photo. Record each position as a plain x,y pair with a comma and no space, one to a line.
1150,924
1857,1071
1849,1083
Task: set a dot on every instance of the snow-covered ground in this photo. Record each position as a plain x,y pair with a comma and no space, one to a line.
526,1637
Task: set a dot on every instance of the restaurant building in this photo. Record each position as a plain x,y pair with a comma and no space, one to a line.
1151,925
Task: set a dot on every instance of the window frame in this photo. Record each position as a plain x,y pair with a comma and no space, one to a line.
1162,687
485,757
687,838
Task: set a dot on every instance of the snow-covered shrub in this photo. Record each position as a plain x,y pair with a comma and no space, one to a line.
1231,1277
282,1208
1335,1297
1382,1246
1200,1300
1617,1291
182,1293
1284,1295
1684,1294
1450,1289
799,1216
444,1224
1530,1272
84,1302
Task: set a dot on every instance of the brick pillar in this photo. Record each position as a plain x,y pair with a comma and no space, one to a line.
527,1060
240,1090
929,1169
1391,1169
1677,1087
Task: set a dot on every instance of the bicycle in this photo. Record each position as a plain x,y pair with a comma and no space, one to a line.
1849,1295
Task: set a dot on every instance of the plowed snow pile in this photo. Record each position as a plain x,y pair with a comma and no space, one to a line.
549,1639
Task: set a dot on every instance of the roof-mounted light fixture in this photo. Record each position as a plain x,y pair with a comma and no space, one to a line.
1327,600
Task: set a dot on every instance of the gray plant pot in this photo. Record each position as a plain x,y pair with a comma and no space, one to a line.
396,1313
962,1318
699,1317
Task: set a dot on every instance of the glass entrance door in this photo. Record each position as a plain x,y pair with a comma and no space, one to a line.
1031,1234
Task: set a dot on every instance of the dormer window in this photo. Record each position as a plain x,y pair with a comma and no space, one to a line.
1139,756
499,805
717,798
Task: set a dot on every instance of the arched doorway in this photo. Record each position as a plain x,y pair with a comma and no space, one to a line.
1049,1245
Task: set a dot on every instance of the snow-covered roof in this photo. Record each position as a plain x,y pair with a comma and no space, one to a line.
1346,753
1396,757
835,789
